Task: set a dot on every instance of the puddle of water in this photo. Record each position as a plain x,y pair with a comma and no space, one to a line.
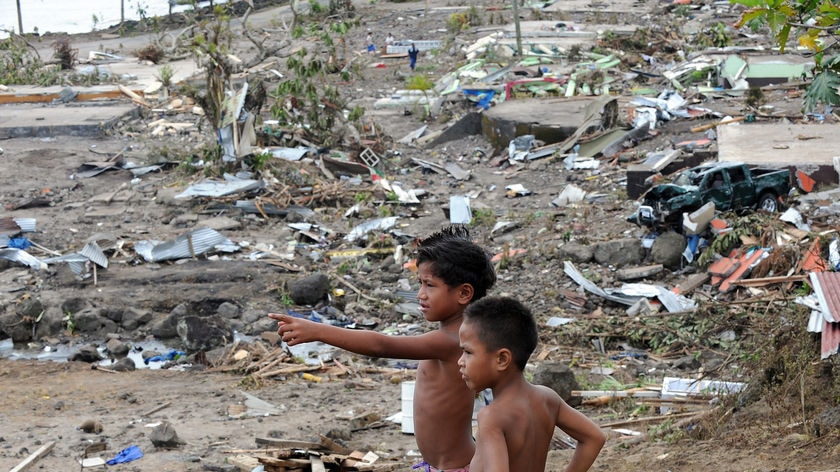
63,352
314,353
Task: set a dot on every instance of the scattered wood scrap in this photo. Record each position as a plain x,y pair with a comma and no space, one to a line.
281,455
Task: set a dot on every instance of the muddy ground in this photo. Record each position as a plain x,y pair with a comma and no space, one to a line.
47,402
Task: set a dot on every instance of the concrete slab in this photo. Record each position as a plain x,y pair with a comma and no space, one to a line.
550,120
615,6
72,119
810,148
781,143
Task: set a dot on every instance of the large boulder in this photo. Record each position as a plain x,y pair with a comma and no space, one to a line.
309,290
202,333
619,252
558,377
668,249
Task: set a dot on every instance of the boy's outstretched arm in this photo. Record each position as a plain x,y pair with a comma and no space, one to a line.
432,345
590,439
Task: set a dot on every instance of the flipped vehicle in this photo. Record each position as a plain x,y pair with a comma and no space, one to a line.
729,185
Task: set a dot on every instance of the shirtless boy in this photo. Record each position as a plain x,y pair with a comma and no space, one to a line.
498,335
453,272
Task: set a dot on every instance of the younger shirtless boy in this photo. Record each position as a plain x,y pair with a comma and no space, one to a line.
498,335
453,271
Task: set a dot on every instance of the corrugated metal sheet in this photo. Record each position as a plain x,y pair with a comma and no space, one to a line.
827,289
191,244
8,227
93,252
830,340
23,257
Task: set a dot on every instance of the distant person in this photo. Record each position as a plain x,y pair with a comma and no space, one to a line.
453,272
371,48
498,335
389,40
412,55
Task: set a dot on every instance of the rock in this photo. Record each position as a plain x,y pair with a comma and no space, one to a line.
91,321
619,252
134,318
126,364
228,310
309,290
575,252
91,426
164,436
558,377
117,348
164,327
203,333
827,421
51,323
668,249
87,354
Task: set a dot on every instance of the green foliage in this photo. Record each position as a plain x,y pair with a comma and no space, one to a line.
165,74
21,64
260,161
356,113
823,89
457,22
69,322
814,25
363,197
306,98
65,53
286,299
483,217
419,82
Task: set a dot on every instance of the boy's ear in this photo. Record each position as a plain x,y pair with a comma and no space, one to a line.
466,293
504,358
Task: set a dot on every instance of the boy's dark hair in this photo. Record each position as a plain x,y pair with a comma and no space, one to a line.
504,322
457,260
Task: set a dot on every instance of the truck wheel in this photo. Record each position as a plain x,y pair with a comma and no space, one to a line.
768,202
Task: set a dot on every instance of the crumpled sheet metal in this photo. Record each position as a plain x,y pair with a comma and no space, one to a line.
190,244
22,257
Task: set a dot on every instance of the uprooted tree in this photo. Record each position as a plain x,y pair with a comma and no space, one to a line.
816,26
308,101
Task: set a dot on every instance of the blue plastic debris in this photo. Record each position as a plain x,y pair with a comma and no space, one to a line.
131,453
169,356
20,243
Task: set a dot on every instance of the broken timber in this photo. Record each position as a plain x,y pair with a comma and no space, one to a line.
41,452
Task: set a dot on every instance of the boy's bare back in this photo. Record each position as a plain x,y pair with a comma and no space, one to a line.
515,431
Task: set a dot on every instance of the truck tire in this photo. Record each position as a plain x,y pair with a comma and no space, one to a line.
769,202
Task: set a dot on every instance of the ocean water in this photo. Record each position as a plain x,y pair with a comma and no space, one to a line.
76,16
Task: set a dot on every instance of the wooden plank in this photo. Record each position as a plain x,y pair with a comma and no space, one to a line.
316,463
635,273
49,97
41,452
244,462
288,444
691,282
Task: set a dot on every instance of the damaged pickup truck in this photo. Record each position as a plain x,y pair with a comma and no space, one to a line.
729,185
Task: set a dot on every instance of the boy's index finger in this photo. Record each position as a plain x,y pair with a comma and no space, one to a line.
277,316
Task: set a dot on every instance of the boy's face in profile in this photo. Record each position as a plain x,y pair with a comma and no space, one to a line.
438,301
477,365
